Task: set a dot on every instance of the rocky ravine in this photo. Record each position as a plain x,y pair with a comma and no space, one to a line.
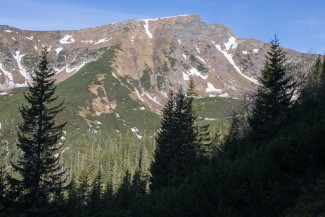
155,54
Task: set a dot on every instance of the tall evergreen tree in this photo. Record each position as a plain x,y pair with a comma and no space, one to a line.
191,88
39,165
273,99
161,167
96,193
205,140
3,192
176,143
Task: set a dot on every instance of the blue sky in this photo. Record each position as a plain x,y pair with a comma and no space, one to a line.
300,24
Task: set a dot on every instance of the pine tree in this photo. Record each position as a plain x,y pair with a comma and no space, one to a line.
191,88
205,140
83,191
184,147
3,193
176,142
273,99
39,165
73,199
161,167
108,196
322,74
124,193
96,193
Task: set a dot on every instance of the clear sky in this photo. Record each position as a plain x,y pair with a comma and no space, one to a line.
300,24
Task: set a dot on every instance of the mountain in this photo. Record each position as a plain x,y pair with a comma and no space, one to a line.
123,71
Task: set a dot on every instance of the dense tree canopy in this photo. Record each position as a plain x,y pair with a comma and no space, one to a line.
273,98
40,172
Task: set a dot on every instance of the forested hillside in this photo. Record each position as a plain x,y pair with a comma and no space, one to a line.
268,161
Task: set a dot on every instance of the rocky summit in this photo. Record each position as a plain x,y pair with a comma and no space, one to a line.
152,56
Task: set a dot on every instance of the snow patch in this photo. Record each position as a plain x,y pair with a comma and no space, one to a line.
138,94
210,119
245,52
64,150
8,75
161,18
69,70
226,95
22,70
30,38
146,27
35,47
68,39
88,41
255,50
114,75
142,108
179,41
200,59
184,56
7,30
75,69
211,88
13,38
135,131
232,62
194,71
58,50
186,77
153,99
231,44
102,40
198,50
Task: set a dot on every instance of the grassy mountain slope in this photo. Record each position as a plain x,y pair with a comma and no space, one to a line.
96,99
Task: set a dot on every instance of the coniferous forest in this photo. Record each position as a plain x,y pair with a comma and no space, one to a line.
270,162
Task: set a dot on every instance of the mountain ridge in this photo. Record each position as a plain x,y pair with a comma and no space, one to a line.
155,55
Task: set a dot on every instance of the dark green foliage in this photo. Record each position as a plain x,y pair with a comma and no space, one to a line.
283,176
191,92
207,144
197,64
161,169
83,190
42,174
160,82
273,96
124,194
205,141
172,61
315,84
95,197
3,193
73,200
175,142
145,79
165,67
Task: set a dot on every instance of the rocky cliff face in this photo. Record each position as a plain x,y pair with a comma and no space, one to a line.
154,55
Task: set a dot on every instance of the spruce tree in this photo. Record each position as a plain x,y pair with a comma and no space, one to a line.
40,172
205,140
96,193
191,88
273,98
184,144
161,167
176,142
